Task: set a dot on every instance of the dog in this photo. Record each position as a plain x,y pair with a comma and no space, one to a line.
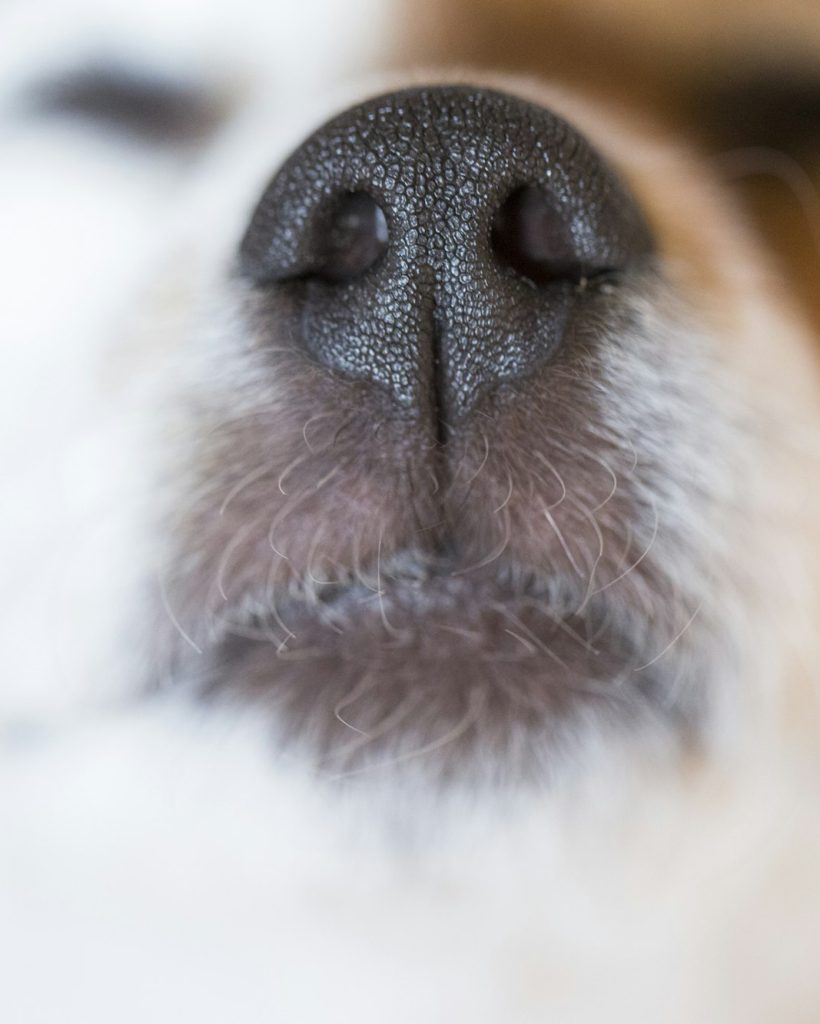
421,620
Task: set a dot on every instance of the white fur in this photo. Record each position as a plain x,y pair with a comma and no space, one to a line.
158,863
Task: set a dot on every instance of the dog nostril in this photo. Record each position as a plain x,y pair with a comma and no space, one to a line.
356,239
532,237
435,205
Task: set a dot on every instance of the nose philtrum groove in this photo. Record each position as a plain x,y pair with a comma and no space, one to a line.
432,242
438,387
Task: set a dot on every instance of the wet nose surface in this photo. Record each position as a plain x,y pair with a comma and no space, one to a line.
441,241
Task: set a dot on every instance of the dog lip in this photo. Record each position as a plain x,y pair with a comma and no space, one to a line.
416,587
487,662
440,614
418,600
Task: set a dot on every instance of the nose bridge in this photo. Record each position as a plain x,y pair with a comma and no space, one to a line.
440,314
440,185
453,179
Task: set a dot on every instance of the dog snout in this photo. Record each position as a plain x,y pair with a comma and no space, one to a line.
440,242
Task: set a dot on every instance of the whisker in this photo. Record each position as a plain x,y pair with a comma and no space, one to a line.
365,684
674,639
590,517
528,645
548,516
634,565
476,703
494,555
239,536
560,623
542,458
314,419
255,475
468,483
539,644
389,627
506,501
288,470
287,509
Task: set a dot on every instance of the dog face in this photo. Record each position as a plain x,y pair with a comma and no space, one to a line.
463,438
473,435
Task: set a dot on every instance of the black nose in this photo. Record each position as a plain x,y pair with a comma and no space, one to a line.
441,241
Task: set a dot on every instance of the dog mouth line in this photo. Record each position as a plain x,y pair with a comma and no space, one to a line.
440,614
496,655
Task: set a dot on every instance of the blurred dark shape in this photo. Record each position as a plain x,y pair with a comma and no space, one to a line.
775,106
147,106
